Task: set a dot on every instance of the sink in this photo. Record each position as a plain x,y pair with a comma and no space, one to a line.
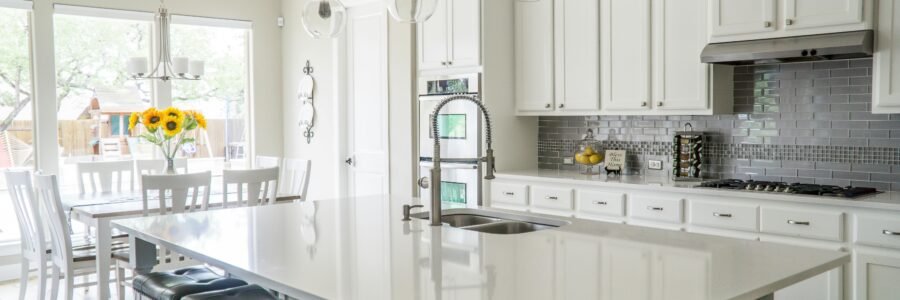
493,222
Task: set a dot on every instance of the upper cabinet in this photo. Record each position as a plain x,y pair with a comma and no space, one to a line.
886,65
557,57
735,20
627,32
451,38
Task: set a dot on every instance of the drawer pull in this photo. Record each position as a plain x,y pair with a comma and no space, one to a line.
654,208
792,222
888,232
722,215
509,193
551,198
600,202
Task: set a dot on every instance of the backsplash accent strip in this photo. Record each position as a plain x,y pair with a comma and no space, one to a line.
800,122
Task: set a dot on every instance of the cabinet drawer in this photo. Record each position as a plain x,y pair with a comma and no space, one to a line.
725,215
509,193
803,223
601,203
878,231
655,209
550,197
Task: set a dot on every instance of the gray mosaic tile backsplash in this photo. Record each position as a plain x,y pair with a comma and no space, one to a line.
800,122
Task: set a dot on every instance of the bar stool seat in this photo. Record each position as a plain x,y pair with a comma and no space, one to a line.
173,285
254,292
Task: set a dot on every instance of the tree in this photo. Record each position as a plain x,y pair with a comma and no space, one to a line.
15,70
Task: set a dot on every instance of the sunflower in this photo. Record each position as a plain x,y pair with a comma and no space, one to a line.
133,120
152,119
172,125
201,120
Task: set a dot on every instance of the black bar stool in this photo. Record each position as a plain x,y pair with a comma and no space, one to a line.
174,285
254,292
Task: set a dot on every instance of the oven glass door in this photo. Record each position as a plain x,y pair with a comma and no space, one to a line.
458,129
459,185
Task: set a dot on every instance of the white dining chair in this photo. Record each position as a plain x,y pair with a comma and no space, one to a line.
104,176
31,230
66,261
259,185
295,178
263,162
158,166
173,191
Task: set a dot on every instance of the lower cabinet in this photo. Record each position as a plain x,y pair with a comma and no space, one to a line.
877,275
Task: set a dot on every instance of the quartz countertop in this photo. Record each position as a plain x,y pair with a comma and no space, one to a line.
884,200
359,248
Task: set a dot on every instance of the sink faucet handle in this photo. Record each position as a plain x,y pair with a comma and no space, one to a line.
407,208
489,164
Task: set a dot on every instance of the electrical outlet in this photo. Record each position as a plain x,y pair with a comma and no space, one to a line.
568,161
654,165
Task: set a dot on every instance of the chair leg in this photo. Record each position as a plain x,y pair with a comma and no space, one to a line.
54,283
23,280
42,280
70,284
120,280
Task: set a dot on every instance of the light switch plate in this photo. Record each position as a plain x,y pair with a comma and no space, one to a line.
568,161
654,165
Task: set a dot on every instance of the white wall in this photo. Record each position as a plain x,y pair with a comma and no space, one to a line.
326,151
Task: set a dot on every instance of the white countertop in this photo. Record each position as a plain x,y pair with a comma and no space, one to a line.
360,249
885,200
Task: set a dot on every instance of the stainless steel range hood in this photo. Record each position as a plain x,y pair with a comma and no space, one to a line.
843,45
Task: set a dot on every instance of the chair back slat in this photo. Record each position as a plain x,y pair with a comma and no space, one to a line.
102,173
265,162
261,186
295,179
172,191
47,187
31,229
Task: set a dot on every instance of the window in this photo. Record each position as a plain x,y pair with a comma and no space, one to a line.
94,93
16,122
222,95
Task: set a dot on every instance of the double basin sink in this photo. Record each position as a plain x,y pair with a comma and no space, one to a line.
493,222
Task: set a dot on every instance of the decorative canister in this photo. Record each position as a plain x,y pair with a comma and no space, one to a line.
589,153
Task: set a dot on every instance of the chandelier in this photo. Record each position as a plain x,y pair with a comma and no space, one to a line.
167,68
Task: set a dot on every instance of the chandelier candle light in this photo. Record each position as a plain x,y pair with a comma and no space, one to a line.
168,129
167,68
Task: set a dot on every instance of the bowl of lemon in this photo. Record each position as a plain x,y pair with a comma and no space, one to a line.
588,157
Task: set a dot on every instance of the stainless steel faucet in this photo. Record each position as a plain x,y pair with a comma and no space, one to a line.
488,158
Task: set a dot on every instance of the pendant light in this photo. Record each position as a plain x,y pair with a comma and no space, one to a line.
324,18
167,68
411,11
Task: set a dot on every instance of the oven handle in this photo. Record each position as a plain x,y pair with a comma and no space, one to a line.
455,166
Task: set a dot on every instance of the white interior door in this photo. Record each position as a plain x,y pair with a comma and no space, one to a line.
367,101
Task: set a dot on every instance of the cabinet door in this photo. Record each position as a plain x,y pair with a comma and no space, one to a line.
681,81
682,274
736,17
577,28
825,286
627,64
886,69
627,272
876,275
801,14
535,262
534,55
433,38
465,33
578,267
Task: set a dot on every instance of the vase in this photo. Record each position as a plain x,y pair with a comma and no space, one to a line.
170,166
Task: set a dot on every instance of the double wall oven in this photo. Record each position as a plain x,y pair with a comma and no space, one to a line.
459,129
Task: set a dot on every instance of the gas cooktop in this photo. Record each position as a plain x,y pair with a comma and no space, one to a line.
790,188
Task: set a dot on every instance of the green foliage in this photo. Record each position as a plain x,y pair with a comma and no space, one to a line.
15,69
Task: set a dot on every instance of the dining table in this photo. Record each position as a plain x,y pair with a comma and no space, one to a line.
97,210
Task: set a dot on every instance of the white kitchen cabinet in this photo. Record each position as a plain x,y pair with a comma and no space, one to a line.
825,286
557,57
451,38
739,20
741,17
626,55
886,68
876,274
532,277
534,56
623,265
579,260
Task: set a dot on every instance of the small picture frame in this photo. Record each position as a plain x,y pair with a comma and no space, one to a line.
615,162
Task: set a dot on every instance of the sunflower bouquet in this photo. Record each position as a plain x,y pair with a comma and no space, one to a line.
168,129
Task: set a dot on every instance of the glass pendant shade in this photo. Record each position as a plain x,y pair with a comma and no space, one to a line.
411,11
324,18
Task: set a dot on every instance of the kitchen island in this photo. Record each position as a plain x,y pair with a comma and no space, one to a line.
361,249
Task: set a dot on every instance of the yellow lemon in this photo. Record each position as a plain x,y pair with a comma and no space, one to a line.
579,157
595,159
588,150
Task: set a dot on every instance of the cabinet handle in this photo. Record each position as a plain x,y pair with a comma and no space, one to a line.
792,222
767,24
443,63
643,104
509,193
600,202
450,63
654,208
551,198
660,103
548,105
562,106
888,232
788,22
722,215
